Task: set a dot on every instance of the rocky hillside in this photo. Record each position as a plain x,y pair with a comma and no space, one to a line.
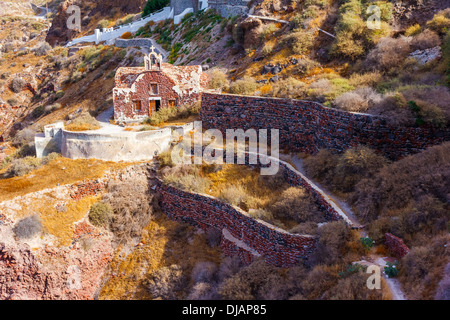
95,13
320,50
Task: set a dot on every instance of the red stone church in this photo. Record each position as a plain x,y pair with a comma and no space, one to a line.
141,91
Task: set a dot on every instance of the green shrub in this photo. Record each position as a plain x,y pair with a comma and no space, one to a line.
59,94
161,116
165,159
154,5
100,214
28,227
38,112
367,242
300,41
103,24
23,166
391,269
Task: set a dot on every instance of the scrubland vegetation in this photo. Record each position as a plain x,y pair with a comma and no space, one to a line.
268,198
407,198
377,71
165,115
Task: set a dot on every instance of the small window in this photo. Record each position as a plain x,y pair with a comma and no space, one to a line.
172,103
137,106
154,88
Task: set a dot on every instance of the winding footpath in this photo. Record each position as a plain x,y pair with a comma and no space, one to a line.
393,284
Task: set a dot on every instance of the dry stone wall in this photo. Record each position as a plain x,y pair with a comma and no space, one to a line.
277,246
396,245
242,235
307,126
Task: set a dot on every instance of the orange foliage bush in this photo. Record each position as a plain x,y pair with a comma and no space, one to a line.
126,35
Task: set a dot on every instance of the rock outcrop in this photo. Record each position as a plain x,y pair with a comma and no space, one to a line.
92,9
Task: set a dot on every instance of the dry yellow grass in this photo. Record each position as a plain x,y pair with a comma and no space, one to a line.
162,246
245,177
60,171
58,224
81,127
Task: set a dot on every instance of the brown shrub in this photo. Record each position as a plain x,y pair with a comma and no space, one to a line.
83,122
352,101
305,228
388,55
422,269
368,79
229,267
289,88
204,271
297,204
353,287
218,79
203,291
394,109
354,165
249,283
300,41
132,204
425,40
317,282
443,291
430,98
165,282
398,184
28,227
17,85
245,86
332,245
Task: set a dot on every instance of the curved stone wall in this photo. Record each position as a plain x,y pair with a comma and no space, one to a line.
307,126
243,235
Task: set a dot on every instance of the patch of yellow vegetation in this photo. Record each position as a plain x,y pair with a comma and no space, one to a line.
161,246
59,224
128,274
242,176
81,127
59,171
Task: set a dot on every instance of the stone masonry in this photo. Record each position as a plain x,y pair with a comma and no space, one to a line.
277,246
176,86
307,126
242,235
396,245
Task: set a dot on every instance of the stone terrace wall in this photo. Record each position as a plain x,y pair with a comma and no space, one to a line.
241,234
307,126
277,246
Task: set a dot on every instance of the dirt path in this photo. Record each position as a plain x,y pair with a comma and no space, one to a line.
298,164
393,284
